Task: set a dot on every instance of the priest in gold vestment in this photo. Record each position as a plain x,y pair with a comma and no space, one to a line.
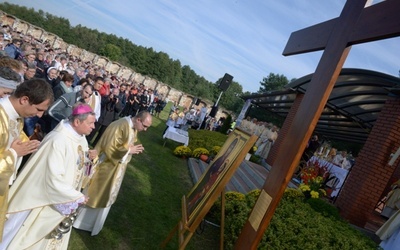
115,149
48,189
30,98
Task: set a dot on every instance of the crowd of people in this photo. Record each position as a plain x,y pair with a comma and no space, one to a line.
53,109
68,74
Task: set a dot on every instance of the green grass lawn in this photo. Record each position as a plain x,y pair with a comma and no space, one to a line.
149,202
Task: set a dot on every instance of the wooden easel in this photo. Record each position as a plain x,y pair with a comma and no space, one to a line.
185,234
188,224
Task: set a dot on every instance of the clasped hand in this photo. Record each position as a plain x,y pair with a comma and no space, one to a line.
25,148
136,149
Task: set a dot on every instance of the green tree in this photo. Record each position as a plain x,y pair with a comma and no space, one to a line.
231,100
273,82
111,51
188,78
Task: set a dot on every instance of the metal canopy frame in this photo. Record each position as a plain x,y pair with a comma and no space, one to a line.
352,108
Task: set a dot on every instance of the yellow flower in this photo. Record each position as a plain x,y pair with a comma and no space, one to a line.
182,151
314,194
303,187
200,151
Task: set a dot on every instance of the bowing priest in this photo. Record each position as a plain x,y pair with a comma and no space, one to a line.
46,195
115,148
29,99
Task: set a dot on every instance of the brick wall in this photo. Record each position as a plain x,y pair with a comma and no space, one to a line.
371,175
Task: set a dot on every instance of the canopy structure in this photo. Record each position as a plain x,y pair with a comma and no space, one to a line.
352,108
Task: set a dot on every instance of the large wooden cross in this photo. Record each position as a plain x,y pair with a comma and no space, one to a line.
355,25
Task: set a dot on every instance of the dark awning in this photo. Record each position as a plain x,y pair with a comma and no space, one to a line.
352,108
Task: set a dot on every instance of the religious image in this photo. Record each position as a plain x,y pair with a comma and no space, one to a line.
217,169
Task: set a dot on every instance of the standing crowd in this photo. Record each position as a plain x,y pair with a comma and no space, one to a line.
68,130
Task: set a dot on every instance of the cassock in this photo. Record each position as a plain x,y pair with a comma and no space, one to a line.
266,144
11,125
108,174
46,191
261,137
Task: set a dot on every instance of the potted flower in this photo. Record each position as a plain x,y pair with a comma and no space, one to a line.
183,151
201,153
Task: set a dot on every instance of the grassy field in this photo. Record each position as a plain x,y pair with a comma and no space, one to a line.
148,204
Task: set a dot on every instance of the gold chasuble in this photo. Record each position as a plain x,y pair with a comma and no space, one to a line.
9,131
113,155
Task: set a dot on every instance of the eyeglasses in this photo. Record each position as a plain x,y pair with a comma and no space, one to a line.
144,126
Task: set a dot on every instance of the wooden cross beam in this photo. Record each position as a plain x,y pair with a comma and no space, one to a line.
355,25
379,21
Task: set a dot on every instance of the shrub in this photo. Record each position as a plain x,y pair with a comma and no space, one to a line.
324,208
297,224
183,151
200,151
205,139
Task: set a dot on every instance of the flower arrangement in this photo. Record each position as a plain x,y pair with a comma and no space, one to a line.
183,151
313,180
200,151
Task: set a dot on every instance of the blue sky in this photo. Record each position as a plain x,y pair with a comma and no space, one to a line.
243,38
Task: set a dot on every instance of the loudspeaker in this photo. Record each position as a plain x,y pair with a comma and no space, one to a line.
213,111
198,101
225,82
